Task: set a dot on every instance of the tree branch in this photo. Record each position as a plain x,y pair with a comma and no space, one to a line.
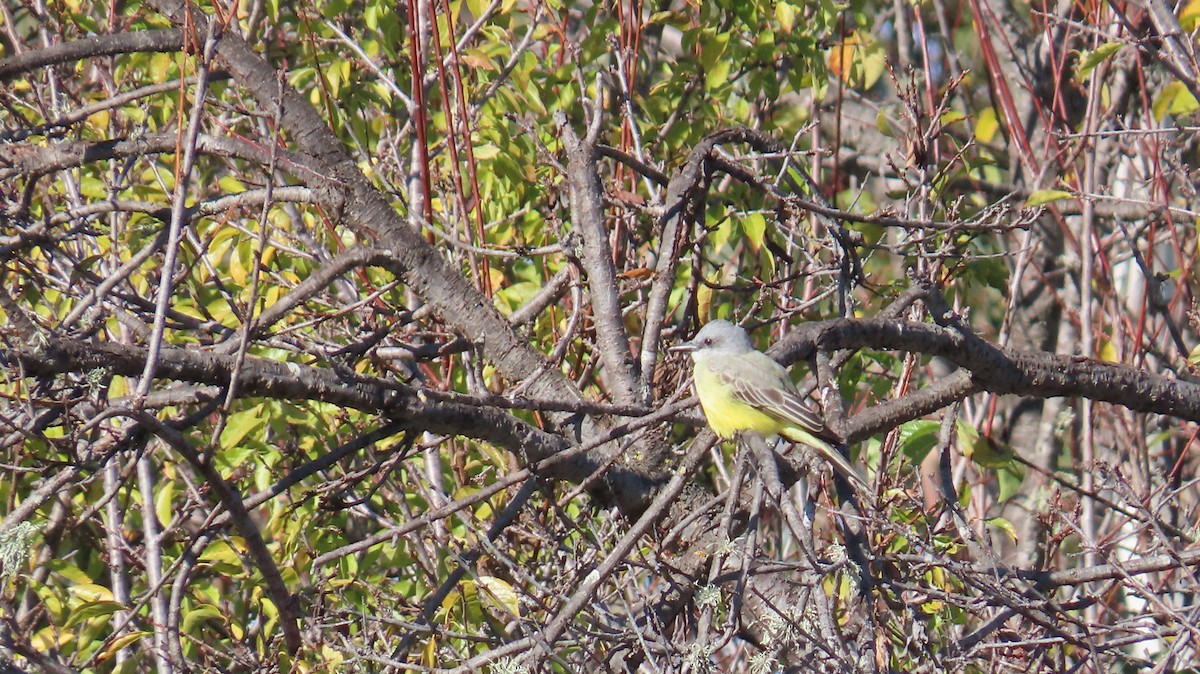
587,215
1003,370
164,40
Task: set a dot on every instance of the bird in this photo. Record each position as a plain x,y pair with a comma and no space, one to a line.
743,389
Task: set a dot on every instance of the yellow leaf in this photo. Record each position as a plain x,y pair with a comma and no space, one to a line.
951,117
429,655
1108,352
986,125
118,387
785,14
704,296
50,639
452,600
478,60
1189,17
99,120
859,60
164,504
638,274
1174,99
333,657
91,592
237,269
119,643
932,607
500,594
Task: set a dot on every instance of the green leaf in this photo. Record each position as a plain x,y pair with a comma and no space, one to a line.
223,558
988,454
334,9
712,51
994,457
755,227
1088,60
918,438
1194,356
1176,100
1005,526
514,296
1041,197
164,502
1010,478
92,609
199,615
240,425
883,125
486,151
951,117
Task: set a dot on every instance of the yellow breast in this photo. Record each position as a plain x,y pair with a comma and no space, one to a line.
727,415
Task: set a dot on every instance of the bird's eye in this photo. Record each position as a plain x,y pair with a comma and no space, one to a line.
708,341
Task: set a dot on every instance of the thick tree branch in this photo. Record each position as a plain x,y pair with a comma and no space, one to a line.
587,216
169,39
290,381
891,413
412,409
18,160
1003,370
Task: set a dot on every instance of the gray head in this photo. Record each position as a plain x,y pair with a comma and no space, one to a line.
717,337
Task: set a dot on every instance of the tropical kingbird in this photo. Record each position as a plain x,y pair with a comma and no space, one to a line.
742,389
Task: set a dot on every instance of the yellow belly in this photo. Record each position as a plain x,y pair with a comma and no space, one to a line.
725,414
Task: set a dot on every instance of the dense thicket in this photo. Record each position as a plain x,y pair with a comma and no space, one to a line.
334,334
